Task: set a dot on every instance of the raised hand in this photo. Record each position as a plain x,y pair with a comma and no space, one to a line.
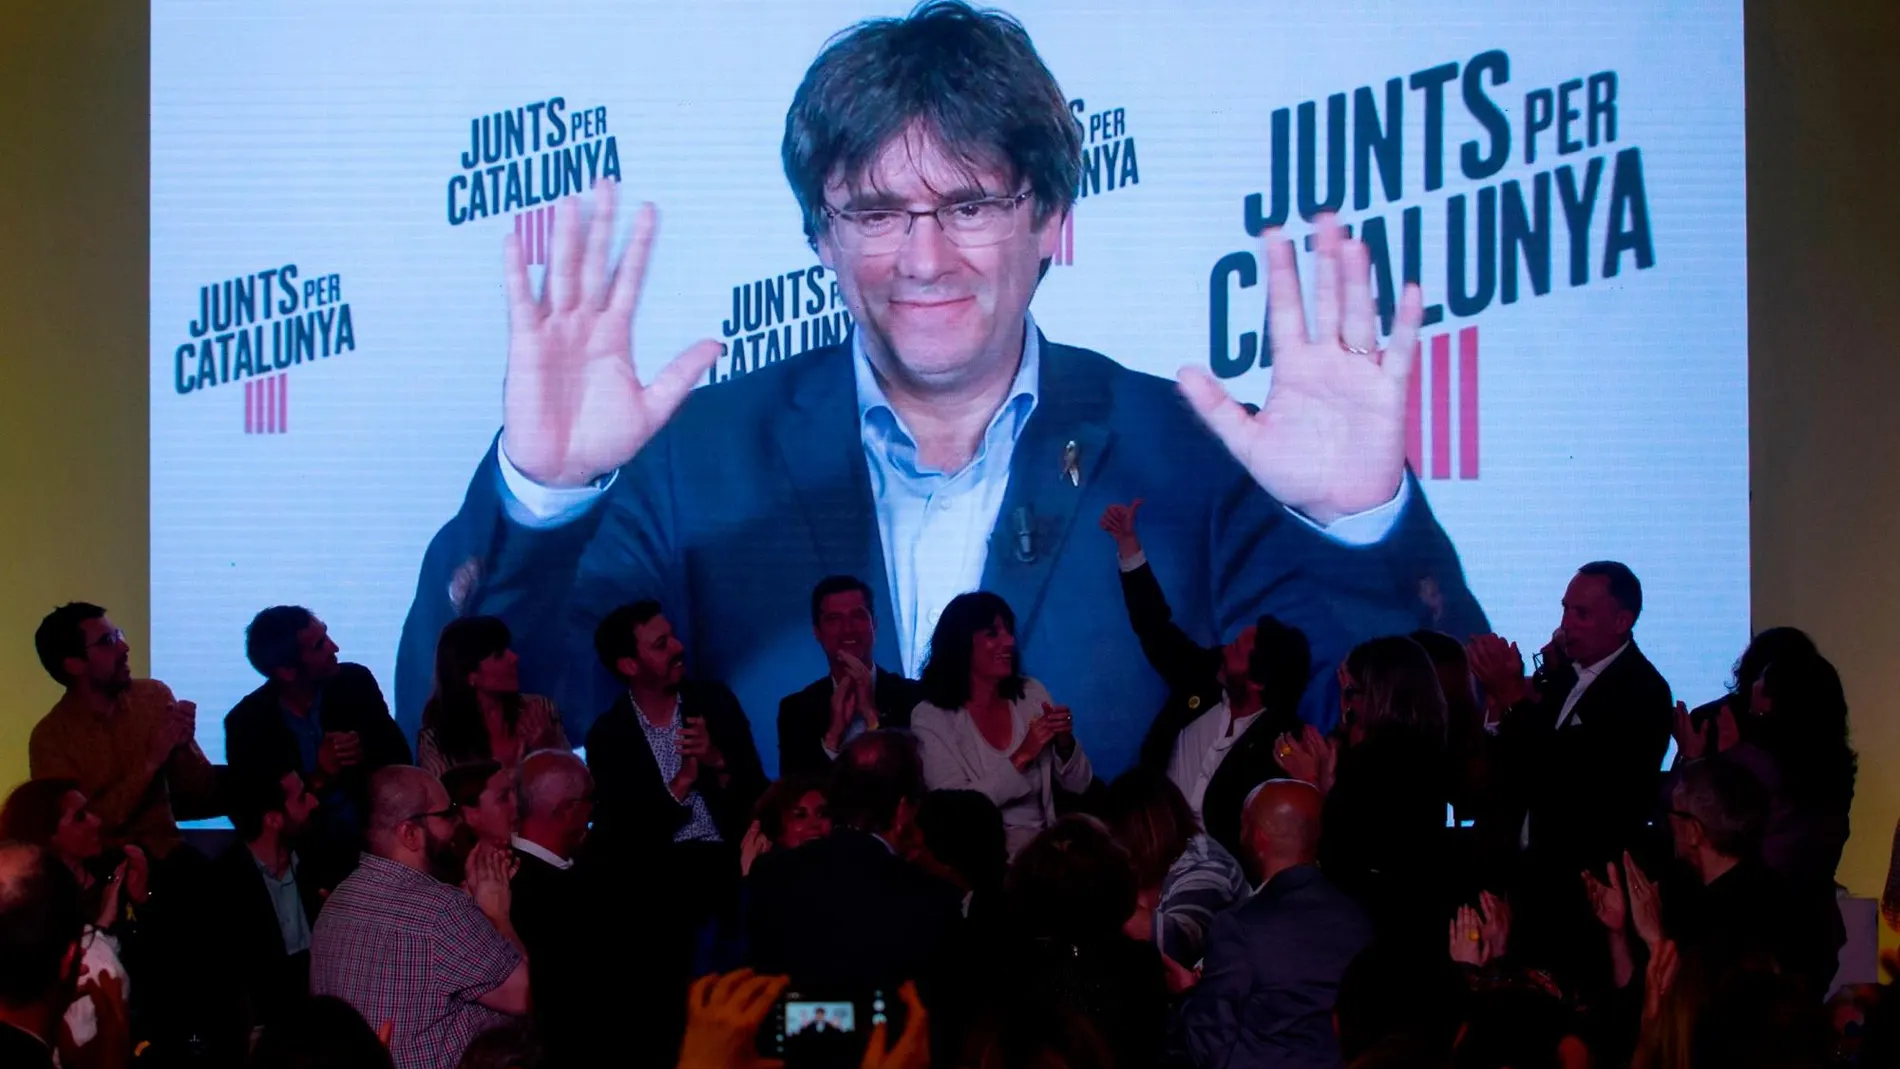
1499,668
1119,521
487,881
1607,901
859,675
573,406
723,1016
752,847
1727,731
1330,439
1645,904
1494,915
912,1049
1691,743
1308,756
1467,937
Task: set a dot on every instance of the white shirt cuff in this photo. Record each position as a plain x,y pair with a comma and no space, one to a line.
530,504
1366,528
829,752
1129,564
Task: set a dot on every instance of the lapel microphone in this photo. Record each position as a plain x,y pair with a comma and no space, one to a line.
1024,527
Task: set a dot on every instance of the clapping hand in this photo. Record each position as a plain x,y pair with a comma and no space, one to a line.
1607,900
178,727
1308,756
339,750
489,870
1330,439
723,1016
695,742
1645,904
1467,937
573,406
1494,916
1499,668
1036,738
1119,521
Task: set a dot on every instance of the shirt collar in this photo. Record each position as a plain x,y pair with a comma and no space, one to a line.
1595,670
534,849
1021,400
290,874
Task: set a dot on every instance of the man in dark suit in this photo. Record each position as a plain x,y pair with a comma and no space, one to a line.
945,445
551,907
846,911
1226,704
854,697
675,779
1580,748
259,907
320,718
41,926
1266,992
1577,758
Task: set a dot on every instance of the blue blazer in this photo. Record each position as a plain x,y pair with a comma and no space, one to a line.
758,488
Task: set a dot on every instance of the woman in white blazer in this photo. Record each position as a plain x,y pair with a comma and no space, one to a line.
984,726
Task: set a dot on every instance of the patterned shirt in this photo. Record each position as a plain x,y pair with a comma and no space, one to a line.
403,947
664,740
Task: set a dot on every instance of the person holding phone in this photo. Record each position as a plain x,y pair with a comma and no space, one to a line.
320,717
985,726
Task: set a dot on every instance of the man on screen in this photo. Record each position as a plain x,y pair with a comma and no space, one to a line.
946,445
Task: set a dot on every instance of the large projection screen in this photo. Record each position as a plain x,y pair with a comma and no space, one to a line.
329,329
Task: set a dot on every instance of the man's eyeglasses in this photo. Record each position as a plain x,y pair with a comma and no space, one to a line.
108,640
452,813
969,224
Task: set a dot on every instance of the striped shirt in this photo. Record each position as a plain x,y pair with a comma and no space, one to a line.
405,948
1203,881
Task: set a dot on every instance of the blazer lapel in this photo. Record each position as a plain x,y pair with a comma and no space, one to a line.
1071,407
822,449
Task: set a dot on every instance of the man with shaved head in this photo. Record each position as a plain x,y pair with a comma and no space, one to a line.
1272,972
419,937
552,910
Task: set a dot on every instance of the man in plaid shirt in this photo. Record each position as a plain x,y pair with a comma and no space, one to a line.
404,942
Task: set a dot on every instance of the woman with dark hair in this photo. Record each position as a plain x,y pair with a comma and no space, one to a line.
1183,876
478,712
53,813
1385,782
1465,736
1768,646
485,793
985,726
791,813
1068,895
1798,719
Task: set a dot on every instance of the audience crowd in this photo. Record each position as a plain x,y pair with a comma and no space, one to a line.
1482,863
